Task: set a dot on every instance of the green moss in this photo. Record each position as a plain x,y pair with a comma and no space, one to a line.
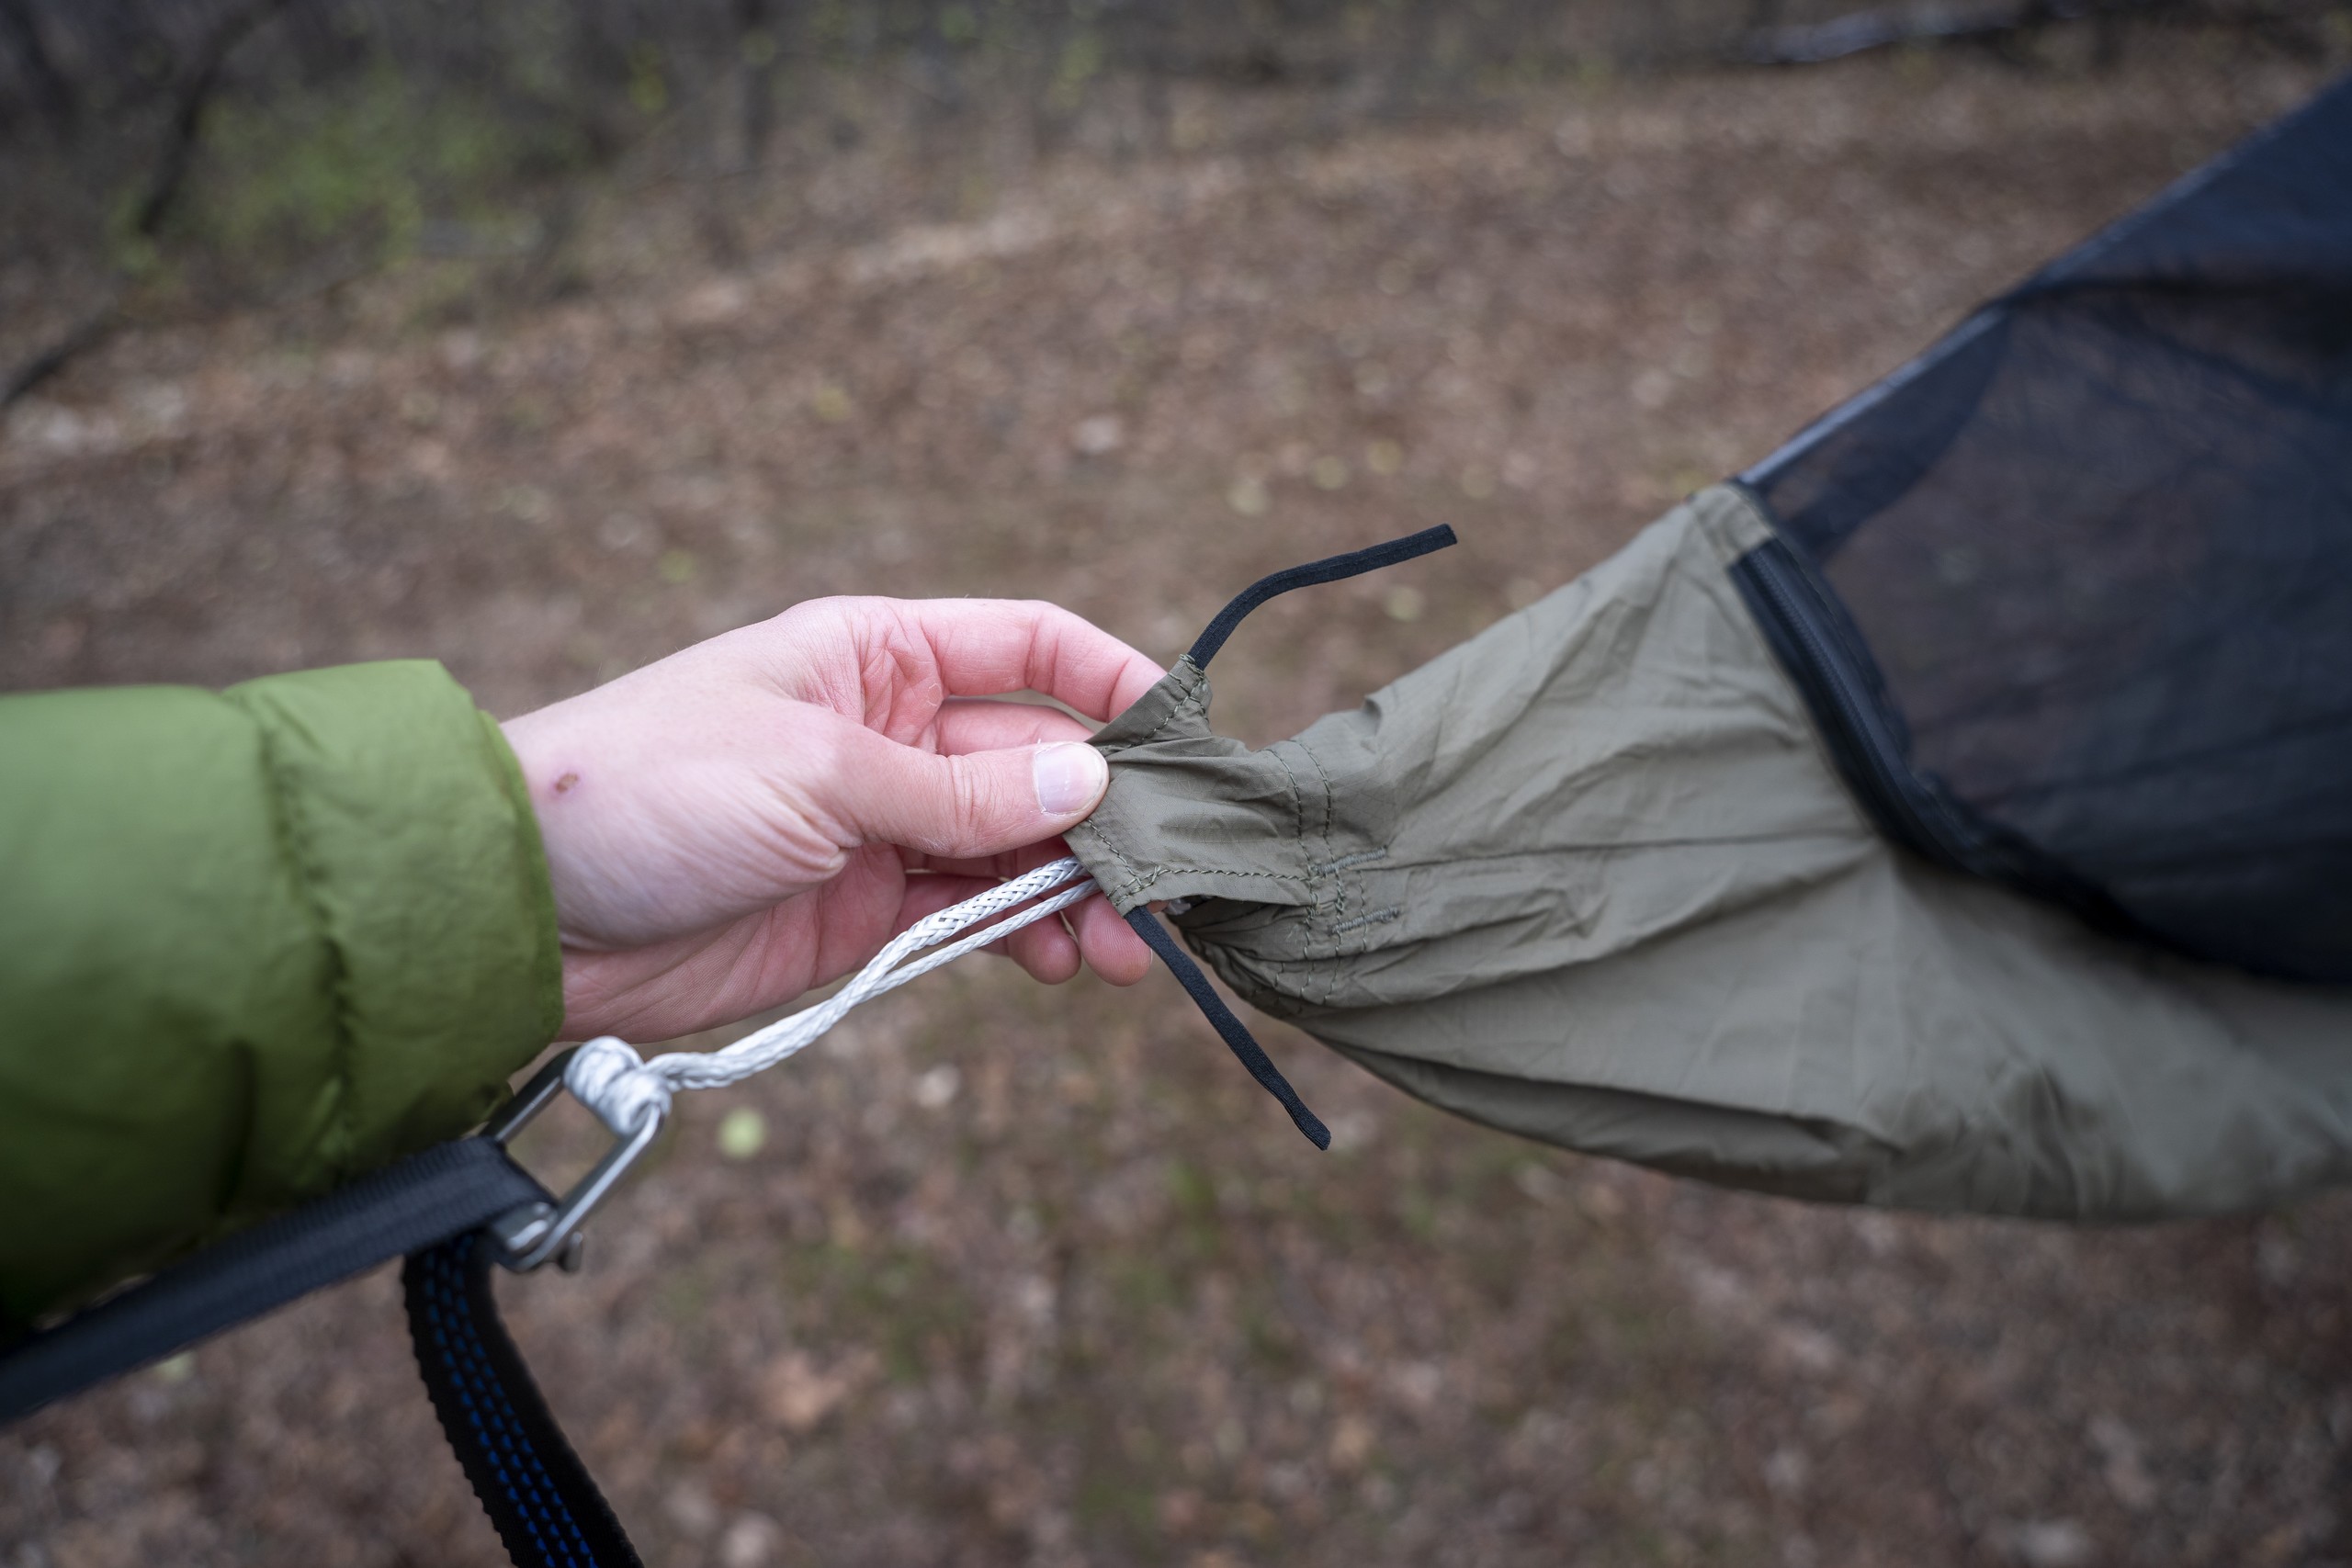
370,164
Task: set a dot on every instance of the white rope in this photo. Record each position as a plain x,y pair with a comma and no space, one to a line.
611,1079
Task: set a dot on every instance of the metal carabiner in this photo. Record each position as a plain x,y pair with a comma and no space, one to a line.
531,1234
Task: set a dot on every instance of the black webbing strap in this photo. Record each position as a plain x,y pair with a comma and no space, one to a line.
1235,1033
535,1491
1330,569
430,1207
425,1198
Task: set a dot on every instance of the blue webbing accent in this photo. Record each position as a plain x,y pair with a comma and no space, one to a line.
505,1442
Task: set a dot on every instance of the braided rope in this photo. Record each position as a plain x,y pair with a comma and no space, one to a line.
608,1077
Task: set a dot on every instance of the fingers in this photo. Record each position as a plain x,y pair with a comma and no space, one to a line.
989,647
1103,941
1108,944
1000,726
967,807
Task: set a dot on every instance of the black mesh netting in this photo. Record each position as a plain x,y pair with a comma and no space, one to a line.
2098,543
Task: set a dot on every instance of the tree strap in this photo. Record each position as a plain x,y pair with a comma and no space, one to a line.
423,1200
542,1500
433,1209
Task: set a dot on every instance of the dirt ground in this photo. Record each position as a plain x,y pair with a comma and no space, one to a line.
1029,1276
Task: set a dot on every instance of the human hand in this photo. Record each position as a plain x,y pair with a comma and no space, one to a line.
760,813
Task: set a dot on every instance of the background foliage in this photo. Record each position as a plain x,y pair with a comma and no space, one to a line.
481,334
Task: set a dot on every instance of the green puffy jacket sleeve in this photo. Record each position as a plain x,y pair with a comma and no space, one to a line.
253,944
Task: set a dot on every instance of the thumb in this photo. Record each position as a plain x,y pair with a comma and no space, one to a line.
980,803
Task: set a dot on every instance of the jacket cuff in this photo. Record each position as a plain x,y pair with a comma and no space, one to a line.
412,833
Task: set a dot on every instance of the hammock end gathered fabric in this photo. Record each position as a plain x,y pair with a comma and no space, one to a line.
1236,1034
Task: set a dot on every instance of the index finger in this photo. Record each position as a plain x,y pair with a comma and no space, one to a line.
987,648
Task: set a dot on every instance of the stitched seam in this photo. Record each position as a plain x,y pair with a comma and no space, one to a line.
1298,811
1298,806
1193,701
1331,970
1348,862
1137,878
298,848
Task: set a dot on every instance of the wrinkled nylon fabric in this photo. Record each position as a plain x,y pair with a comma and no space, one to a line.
1591,877
253,945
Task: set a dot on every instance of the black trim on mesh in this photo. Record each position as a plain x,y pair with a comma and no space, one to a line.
545,1505
1816,643
2070,592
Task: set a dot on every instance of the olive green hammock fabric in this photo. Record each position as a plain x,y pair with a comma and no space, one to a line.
1593,877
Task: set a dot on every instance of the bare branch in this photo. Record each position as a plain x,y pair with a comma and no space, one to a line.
178,152
1932,20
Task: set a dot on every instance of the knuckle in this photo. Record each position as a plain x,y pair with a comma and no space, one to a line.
975,799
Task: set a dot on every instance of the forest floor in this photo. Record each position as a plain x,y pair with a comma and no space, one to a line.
1031,1275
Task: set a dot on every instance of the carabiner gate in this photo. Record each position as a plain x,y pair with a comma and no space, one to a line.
530,1234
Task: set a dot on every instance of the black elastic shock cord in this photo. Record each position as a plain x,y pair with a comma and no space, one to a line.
1235,1033
1331,569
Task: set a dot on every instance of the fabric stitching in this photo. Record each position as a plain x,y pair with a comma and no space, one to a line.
1298,828
1298,803
1348,862
299,845
1189,703
1138,879
1338,947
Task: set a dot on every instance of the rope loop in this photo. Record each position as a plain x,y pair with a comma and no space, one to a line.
610,1078
622,1089
607,1075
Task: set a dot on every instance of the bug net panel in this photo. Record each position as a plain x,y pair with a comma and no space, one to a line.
2090,570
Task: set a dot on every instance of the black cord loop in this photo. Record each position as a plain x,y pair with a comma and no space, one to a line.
1331,569
1235,1033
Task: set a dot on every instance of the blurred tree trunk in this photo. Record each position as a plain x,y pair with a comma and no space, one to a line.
756,50
188,115
155,204
1410,68
1149,47
52,94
